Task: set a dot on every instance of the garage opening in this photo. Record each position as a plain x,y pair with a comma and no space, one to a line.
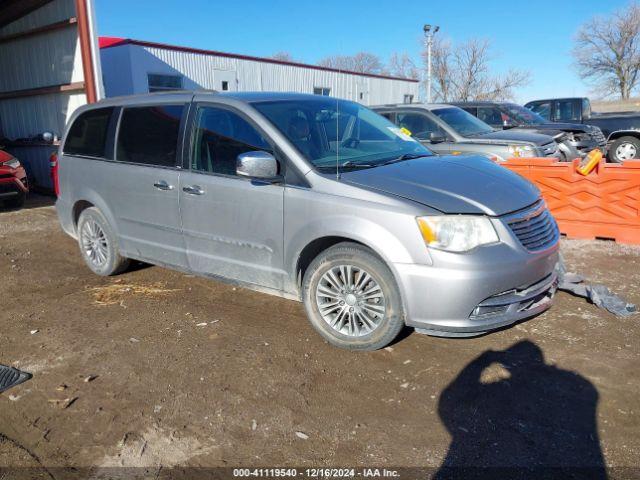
48,68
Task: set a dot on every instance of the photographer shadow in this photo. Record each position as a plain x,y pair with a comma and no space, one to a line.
511,415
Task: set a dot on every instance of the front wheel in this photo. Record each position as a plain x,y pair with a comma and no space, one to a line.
352,299
624,148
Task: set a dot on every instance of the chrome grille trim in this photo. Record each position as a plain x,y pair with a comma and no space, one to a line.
534,227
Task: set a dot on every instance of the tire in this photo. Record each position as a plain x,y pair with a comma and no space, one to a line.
98,244
16,202
624,148
370,323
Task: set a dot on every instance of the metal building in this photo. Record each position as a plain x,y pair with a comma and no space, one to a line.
134,66
48,68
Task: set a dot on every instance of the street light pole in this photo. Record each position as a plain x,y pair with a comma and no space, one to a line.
428,33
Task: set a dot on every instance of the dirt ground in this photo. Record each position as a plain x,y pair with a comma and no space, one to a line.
157,368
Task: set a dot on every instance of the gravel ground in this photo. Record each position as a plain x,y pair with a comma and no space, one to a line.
158,368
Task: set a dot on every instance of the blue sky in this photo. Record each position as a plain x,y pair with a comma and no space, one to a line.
533,35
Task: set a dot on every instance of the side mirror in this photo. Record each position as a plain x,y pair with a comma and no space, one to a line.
257,164
507,124
435,137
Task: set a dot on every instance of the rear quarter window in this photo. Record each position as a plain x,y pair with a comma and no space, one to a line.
149,135
88,134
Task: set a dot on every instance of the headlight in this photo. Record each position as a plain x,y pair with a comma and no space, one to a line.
521,151
457,233
494,158
13,163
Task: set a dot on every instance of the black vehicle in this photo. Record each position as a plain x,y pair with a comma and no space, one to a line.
578,139
621,129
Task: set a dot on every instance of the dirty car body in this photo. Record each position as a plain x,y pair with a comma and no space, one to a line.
345,178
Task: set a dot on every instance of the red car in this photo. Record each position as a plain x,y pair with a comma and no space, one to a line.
13,181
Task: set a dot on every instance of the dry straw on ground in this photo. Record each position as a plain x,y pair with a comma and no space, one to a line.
115,293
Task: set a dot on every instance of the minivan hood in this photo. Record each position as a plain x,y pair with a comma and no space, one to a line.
515,136
451,184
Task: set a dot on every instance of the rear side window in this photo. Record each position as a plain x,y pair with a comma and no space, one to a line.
88,134
149,135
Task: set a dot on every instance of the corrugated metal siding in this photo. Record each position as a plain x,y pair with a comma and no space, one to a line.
50,58
199,72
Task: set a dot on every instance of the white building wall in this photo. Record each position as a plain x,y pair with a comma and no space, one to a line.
200,71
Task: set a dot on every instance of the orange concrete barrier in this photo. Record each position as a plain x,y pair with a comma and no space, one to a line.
603,204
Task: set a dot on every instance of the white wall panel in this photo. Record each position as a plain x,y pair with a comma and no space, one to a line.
199,72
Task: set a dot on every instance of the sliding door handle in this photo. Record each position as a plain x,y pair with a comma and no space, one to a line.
193,190
162,185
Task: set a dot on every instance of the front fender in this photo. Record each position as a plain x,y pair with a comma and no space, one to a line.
623,133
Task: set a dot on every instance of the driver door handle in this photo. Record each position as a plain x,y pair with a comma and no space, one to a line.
193,190
162,185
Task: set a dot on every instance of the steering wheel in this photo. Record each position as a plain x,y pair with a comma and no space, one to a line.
351,142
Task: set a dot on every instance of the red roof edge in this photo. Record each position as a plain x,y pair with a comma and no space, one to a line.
108,42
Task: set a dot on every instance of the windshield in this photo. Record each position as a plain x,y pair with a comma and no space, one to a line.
332,133
462,122
522,115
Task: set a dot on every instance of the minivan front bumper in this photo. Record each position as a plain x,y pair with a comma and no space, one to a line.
468,295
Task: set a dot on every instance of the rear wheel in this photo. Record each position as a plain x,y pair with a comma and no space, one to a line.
98,244
624,148
352,299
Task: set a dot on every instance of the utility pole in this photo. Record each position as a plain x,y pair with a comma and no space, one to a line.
429,32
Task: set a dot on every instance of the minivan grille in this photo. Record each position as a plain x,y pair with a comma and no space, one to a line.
534,227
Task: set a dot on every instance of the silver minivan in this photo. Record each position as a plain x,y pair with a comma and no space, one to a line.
311,198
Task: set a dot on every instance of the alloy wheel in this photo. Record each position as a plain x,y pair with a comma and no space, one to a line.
94,243
350,300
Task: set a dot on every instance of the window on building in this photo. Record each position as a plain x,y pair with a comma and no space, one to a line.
162,83
225,85
326,91
408,98
149,135
88,134
420,126
219,137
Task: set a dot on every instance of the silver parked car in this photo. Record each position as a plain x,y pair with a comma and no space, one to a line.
447,129
311,198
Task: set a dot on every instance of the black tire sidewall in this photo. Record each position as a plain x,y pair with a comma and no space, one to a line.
112,265
17,201
628,139
361,257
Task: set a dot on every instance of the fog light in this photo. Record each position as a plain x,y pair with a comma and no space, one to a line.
487,311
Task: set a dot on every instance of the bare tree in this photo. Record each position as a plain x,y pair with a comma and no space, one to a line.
401,65
462,72
607,51
283,56
363,62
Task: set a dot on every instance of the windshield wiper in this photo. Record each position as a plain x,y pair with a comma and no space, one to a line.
350,164
406,156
